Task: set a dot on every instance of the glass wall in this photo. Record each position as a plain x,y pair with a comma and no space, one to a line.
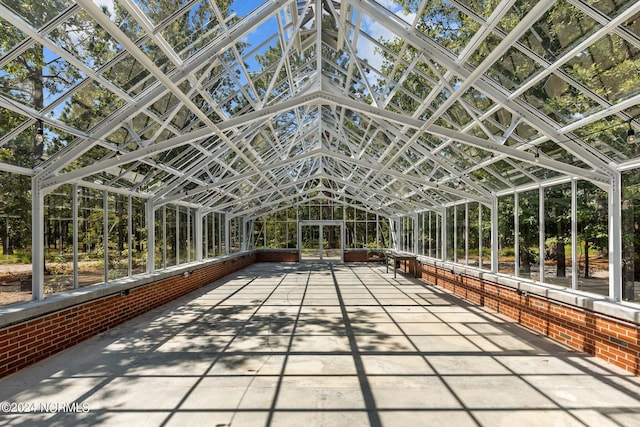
363,229
278,230
468,235
112,235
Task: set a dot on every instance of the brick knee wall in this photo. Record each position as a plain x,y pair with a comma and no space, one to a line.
613,340
355,256
277,256
27,342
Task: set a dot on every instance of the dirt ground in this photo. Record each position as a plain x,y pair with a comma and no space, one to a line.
11,275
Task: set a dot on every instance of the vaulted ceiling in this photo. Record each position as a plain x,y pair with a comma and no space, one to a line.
396,109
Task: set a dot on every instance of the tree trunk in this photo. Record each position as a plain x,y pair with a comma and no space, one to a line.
586,259
561,259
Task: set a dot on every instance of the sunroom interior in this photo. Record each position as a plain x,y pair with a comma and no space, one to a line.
492,137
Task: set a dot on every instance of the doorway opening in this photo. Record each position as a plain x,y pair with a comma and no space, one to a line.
321,241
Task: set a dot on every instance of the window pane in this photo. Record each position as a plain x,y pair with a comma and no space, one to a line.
529,234
593,239
506,235
557,206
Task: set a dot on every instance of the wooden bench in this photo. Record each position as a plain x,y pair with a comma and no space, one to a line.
396,257
377,257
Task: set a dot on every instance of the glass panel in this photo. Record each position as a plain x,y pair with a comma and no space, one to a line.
310,242
183,235
474,234
436,236
58,241
360,234
631,236
461,234
259,230
331,247
222,227
38,13
486,237
384,233
506,235
171,234
292,235
90,238
192,234
529,234
118,236
15,237
450,234
235,235
593,237
159,259
138,236
557,228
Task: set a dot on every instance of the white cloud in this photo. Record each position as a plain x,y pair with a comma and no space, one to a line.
366,49
108,4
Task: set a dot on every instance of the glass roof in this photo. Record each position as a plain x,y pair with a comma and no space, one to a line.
245,107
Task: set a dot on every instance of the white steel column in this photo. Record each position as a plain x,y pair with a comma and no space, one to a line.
37,239
177,242
164,236
443,236
480,235
129,233
105,233
188,236
438,236
494,235
574,234
199,234
516,233
415,234
74,208
205,233
466,233
430,235
455,233
615,238
151,236
244,244
542,232
227,240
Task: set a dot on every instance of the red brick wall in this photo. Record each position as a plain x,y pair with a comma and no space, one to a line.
613,340
277,256
27,342
363,255
355,256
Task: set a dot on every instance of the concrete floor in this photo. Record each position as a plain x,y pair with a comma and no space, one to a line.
320,345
